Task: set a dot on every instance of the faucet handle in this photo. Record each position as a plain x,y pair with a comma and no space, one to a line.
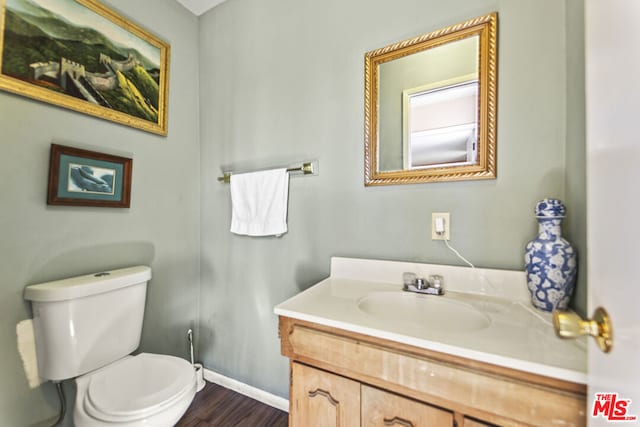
436,281
409,278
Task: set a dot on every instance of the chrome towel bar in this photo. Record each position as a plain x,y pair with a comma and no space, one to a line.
306,168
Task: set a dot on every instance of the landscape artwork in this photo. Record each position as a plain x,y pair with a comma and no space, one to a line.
78,54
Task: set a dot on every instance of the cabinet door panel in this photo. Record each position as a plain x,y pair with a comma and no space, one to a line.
321,399
384,409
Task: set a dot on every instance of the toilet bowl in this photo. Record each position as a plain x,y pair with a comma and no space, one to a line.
86,328
143,390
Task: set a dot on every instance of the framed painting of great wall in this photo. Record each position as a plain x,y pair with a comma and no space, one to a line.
78,54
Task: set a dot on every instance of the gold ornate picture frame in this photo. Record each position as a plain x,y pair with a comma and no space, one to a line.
484,166
80,55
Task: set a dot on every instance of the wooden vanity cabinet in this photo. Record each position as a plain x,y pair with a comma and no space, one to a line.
341,378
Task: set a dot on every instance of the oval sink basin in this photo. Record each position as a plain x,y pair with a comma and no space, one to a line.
424,311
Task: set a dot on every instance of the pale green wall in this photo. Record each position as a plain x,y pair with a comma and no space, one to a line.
161,229
576,179
282,81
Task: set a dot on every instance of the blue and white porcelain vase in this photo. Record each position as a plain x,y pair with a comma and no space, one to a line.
550,261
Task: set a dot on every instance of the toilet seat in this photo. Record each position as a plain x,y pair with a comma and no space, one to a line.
138,387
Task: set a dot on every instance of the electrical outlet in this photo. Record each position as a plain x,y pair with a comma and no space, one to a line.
440,225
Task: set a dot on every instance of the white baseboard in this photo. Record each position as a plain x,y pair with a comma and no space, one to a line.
247,390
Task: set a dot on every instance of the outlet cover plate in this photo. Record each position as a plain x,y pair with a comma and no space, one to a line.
447,223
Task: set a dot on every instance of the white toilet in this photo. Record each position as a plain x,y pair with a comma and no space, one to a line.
86,327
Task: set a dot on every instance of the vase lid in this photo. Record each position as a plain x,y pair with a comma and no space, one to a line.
550,208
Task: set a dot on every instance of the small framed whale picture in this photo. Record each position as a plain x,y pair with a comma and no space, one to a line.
79,177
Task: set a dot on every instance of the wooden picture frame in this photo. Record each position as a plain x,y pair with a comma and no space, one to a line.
80,55
80,177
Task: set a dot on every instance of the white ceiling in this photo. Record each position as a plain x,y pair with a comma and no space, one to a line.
198,7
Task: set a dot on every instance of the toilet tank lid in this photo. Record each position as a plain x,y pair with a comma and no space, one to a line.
90,284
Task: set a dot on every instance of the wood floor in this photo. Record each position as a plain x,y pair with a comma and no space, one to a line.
220,407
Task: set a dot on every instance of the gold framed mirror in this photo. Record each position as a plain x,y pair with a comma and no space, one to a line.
430,106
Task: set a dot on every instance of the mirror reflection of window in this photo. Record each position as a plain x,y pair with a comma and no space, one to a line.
441,125
443,65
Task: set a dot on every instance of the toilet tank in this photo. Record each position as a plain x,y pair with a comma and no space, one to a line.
86,322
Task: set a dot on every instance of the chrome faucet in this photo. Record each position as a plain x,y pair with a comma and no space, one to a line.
432,286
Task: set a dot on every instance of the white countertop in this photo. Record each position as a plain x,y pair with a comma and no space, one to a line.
517,336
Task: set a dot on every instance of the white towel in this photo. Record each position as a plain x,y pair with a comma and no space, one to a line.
259,203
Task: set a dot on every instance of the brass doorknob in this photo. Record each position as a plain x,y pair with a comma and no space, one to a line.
570,325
